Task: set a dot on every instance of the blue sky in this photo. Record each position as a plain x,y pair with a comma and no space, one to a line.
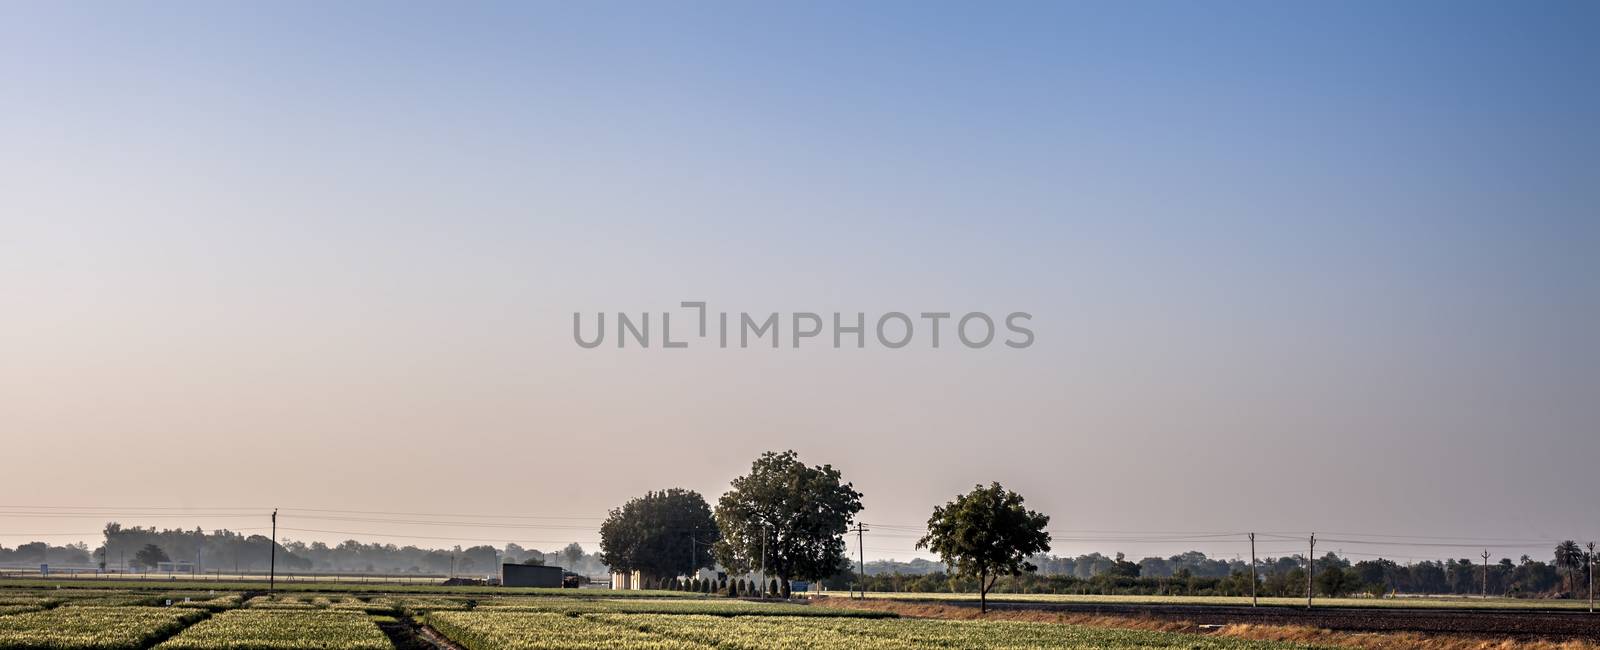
1356,233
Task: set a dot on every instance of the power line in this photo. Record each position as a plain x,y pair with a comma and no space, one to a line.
457,539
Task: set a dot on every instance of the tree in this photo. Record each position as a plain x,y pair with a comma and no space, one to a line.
789,513
661,534
150,556
1120,567
572,554
1334,581
986,533
1569,560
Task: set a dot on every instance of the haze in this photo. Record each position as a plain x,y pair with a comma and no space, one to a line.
1292,266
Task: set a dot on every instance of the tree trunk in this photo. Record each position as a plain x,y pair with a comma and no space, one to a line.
983,592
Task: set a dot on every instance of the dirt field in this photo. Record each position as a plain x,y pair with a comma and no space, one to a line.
1578,629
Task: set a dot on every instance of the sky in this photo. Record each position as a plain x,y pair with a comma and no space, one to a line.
1291,267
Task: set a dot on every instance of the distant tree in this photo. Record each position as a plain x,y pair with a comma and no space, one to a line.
987,533
792,514
1334,581
481,559
534,560
572,555
150,556
1121,567
666,533
1569,561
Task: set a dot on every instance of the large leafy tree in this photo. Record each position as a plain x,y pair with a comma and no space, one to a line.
661,534
986,533
790,513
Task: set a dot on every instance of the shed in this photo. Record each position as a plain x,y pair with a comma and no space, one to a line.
524,575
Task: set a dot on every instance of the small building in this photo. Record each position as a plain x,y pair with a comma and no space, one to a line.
526,575
627,580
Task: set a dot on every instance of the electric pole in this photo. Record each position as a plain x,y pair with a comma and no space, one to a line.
763,560
861,551
1485,573
1252,569
1311,569
272,562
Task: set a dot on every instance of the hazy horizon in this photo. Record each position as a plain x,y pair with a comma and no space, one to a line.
1291,267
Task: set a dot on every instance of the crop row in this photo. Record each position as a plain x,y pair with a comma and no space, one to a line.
492,630
673,606
266,629
311,603
93,627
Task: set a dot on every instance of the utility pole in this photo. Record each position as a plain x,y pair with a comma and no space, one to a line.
272,562
763,560
1252,569
861,550
1485,573
1311,569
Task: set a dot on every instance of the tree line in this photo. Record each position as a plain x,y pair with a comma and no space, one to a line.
790,519
137,548
1196,575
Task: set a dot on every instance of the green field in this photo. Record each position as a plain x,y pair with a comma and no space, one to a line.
262,629
488,630
120,617
93,627
1455,602
325,587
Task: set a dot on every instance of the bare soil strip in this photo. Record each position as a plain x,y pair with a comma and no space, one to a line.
1434,629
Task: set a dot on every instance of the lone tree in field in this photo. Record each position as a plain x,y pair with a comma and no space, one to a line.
986,533
792,514
661,535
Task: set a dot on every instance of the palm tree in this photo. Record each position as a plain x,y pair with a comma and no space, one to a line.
1569,560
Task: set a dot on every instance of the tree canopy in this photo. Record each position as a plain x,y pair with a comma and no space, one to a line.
150,556
987,533
793,513
660,534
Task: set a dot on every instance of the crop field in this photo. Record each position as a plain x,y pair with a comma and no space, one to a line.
489,630
65,619
1455,602
93,627
700,607
265,629
68,584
